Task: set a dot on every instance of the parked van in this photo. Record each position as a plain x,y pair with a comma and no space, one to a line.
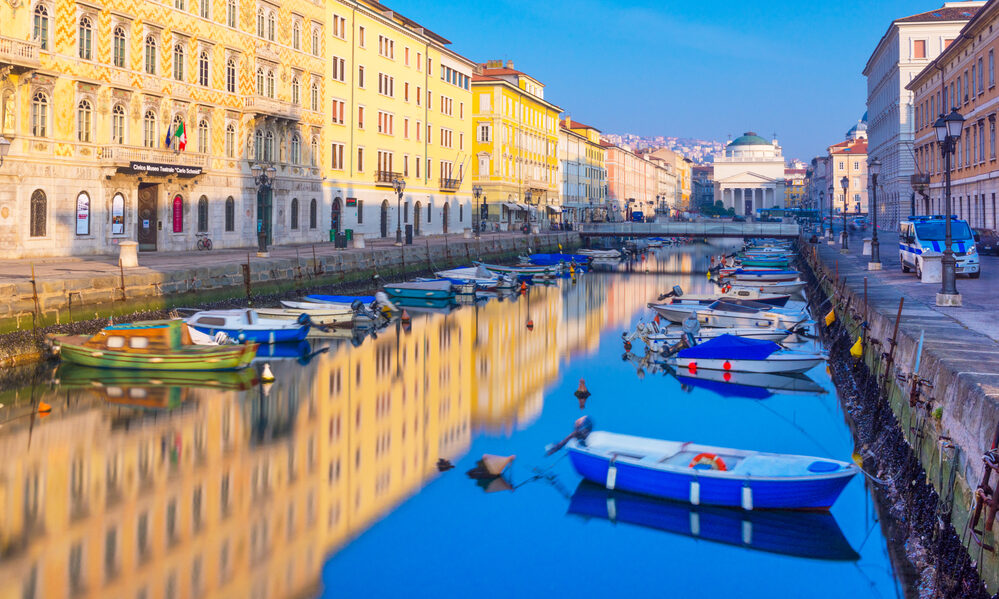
926,234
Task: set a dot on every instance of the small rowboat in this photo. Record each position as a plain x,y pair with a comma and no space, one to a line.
439,290
155,345
554,259
742,354
246,325
659,342
764,299
318,313
760,275
342,300
725,315
789,287
706,475
521,270
751,262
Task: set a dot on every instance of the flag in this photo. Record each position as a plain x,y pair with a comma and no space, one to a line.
168,138
181,136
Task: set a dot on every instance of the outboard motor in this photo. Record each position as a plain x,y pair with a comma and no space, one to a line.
676,292
580,431
304,318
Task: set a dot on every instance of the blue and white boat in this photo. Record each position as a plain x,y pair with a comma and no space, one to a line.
424,290
554,259
248,326
742,354
707,475
479,275
345,300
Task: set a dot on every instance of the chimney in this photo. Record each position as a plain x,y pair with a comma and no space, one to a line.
509,64
568,122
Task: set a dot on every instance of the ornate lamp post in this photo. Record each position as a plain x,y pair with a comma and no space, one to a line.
845,184
264,180
477,192
874,167
831,196
399,185
527,200
822,203
4,148
948,130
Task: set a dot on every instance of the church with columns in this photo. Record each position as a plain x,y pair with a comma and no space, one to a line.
749,175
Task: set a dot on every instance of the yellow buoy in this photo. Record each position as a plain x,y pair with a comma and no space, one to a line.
858,349
830,318
267,375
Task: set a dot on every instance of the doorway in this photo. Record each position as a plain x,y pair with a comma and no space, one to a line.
335,213
385,211
447,216
264,195
748,208
147,216
416,218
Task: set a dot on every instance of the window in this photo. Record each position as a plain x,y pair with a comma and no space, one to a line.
270,83
981,142
314,151
384,162
86,39
919,49
230,141
271,25
360,211
992,139
385,123
230,76
360,36
150,62
39,209
386,85
316,42
260,82
339,26
260,22
205,9
296,35
230,13
296,150
314,97
360,117
41,26
118,124
296,92
386,47
230,214
178,4
339,73
203,68
981,76
360,76
40,115
337,112
294,213
149,134
312,214
84,121
258,145
118,57
202,214
203,136
405,91
992,68
178,62
360,160
484,131
269,147
337,160
405,128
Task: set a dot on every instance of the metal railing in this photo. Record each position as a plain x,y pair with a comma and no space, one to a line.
124,155
386,177
690,229
450,184
23,53
271,106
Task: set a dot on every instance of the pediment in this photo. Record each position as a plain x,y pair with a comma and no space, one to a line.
747,177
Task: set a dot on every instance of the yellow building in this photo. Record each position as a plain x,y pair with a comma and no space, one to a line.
516,146
399,106
582,168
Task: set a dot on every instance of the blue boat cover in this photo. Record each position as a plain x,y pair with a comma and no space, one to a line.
731,347
726,389
552,259
342,299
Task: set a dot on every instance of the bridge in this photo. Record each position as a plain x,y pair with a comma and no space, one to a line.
690,229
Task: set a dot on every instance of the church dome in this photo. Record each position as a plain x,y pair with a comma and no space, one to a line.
749,138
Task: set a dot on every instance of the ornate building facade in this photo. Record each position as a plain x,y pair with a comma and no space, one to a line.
749,175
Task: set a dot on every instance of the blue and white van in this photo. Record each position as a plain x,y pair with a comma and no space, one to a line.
926,234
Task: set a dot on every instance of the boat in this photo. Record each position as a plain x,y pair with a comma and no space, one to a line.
742,354
439,290
528,270
553,259
762,275
761,299
345,300
155,345
459,288
319,314
482,277
788,287
725,315
751,262
659,341
604,254
708,475
806,534
750,385
247,325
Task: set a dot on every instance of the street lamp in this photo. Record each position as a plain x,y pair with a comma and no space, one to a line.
4,148
831,196
822,203
399,185
948,130
845,184
264,180
874,167
477,192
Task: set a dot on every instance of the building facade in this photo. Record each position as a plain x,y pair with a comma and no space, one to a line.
703,185
848,161
962,77
644,181
749,175
515,147
794,187
905,49
582,169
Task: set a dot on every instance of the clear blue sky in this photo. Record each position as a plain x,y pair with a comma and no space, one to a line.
689,69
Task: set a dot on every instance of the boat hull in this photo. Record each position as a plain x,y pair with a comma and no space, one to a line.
267,336
199,358
731,320
773,364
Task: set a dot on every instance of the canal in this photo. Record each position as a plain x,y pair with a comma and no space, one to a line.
326,481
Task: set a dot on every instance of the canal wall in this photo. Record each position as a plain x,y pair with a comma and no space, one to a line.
28,309
921,431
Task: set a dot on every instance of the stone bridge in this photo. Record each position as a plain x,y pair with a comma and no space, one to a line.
690,229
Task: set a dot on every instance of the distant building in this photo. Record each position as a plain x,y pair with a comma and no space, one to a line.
794,187
702,180
582,168
903,51
749,175
848,159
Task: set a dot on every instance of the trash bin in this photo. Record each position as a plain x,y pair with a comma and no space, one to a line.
333,236
409,234
349,233
341,240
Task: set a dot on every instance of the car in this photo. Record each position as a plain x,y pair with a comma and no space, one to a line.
987,241
925,235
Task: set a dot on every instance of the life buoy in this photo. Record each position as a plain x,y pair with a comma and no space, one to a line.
710,459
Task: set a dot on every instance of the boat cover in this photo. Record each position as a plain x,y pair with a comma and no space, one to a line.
730,347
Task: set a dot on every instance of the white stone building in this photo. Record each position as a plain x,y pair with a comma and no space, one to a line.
905,49
749,175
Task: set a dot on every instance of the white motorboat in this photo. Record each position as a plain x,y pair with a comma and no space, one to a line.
788,287
318,315
740,354
724,315
607,254
659,340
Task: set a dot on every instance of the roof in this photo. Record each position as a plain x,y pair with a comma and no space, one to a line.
983,16
944,14
749,138
577,125
850,146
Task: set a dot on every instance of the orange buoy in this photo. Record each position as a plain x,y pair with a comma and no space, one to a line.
710,459
692,366
727,365
405,316
530,324
727,376
627,345
44,408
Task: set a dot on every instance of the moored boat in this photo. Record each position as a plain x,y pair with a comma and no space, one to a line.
319,314
438,289
247,325
742,354
763,275
788,287
659,341
725,315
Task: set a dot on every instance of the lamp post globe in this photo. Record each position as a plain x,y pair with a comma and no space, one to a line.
948,129
399,185
845,184
874,168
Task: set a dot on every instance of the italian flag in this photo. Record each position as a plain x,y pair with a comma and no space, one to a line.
181,136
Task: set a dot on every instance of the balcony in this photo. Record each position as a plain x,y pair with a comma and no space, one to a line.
450,184
126,157
270,107
21,54
386,178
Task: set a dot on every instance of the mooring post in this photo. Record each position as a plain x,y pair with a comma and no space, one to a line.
121,274
246,280
34,296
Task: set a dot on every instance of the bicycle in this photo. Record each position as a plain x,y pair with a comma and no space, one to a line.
204,242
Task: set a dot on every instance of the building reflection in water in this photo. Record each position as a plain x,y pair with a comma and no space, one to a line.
153,488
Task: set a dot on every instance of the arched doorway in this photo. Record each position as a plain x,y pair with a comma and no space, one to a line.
447,215
416,218
385,210
335,214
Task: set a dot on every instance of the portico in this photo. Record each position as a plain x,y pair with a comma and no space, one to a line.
749,175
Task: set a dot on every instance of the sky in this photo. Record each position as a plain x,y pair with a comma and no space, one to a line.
688,69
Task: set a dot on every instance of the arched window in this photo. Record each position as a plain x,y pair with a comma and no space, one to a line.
230,76
203,68
39,213
119,47
269,147
294,213
149,133
271,25
314,96
230,13
151,55
230,141
205,9
40,115
41,26
258,146
83,214
315,41
260,22
260,82
270,83
178,214
204,136
313,214
296,150
86,39
295,91
230,214
296,35
178,62
314,157
202,214
84,121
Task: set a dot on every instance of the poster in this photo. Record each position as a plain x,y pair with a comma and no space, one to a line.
178,214
118,214
83,214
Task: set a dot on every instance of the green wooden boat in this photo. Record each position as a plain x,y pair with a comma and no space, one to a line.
155,345
763,262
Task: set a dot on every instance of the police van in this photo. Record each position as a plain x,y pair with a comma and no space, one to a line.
926,234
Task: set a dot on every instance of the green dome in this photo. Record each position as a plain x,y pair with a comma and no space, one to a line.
749,138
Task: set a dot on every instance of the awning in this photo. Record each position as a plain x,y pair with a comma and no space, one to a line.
510,206
552,209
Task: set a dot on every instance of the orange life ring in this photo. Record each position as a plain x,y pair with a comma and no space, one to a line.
711,459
